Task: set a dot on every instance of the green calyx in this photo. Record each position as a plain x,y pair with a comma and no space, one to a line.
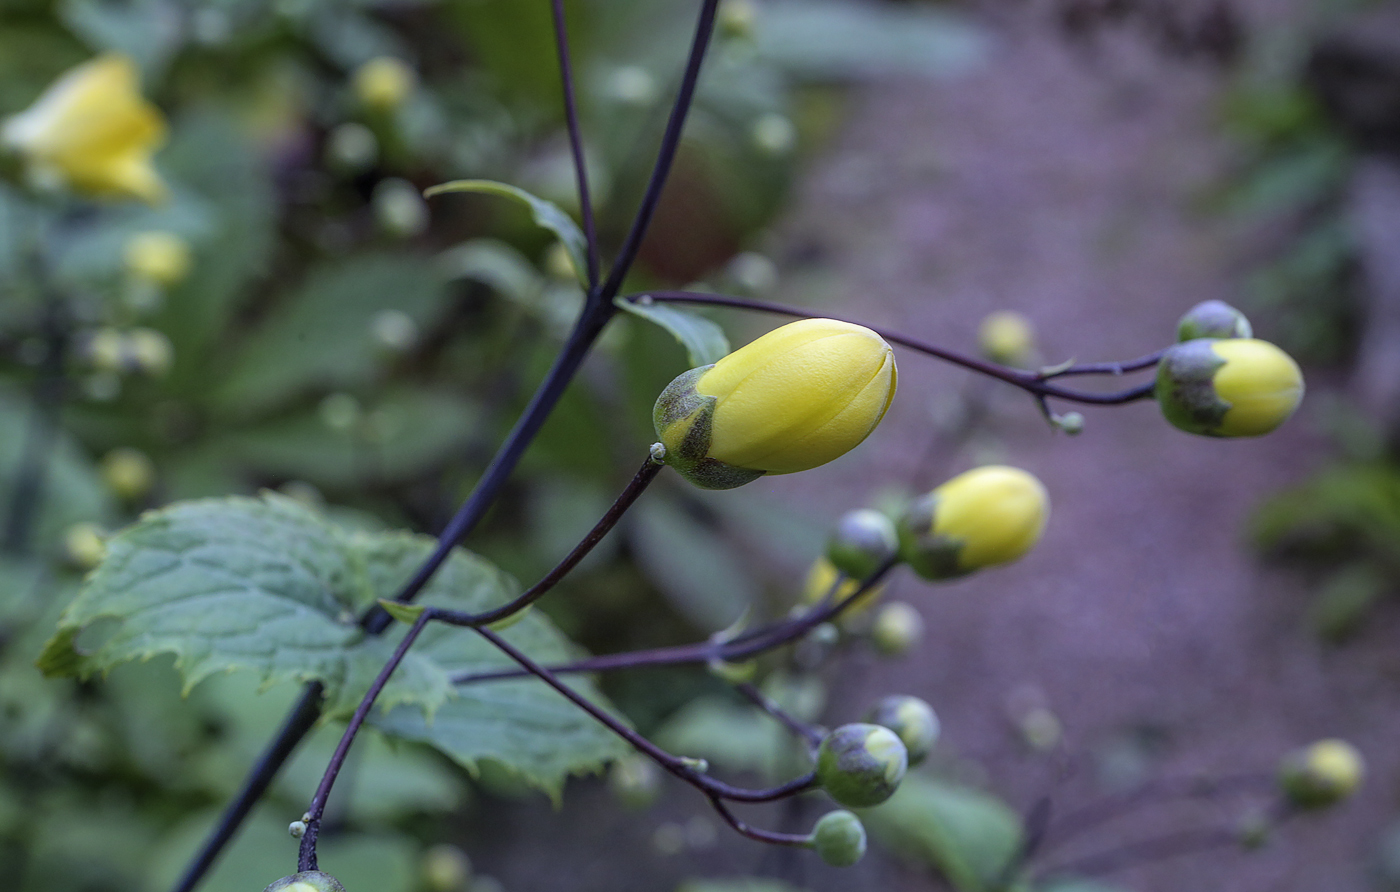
683,418
1213,319
930,555
1185,387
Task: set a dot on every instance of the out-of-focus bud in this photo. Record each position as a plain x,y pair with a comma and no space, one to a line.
897,628
796,398
839,838
737,18
399,207
158,256
128,472
84,545
559,264
635,780
106,351
1235,387
1213,319
774,134
352,148
1007,337
383,83
862,541
92,132
912,719
632,85
149,352
306,881
861,765
340,411
1071,423
1321,774
823,576
986,516
753,272
446,868
394,330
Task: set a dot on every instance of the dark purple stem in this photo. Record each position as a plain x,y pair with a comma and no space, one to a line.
1031,382
768,836
585,202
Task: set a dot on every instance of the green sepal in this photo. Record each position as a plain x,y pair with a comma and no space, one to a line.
1186,387
404,613
682,417
930,555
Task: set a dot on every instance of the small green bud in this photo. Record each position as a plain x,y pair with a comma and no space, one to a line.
446,868
149,352
1071,423
862,541
635,780
1322,774
1233,387
839,838
798,397
306,881
912,719
84,545
383,83
737,19
986,516
128,472
898,627
861,765
297,829
1213,319
399,208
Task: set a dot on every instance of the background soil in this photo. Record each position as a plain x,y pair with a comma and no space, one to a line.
1060,181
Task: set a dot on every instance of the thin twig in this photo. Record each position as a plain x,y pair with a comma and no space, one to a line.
1145,851
1031,382
585,203
769,836
807,731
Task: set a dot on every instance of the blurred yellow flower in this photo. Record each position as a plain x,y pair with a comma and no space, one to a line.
158,256
91,131
383,83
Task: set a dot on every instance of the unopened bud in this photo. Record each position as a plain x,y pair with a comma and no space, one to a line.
861,765
986,516
862,542
912,719
839,838
1233,387
446,868
1007,337
306,881
160,257
383,83
897,628
128,472
635,780
1322,774
84,545
1213,319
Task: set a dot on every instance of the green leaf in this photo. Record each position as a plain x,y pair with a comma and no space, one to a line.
735,737
261,585
704,341
843,39
545,213
321,337
969,835
693,566
1076,885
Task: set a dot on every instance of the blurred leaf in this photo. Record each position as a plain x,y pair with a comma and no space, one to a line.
691,564
1343,603
1072,885
148,31
406,433
71,490
546,214
496,265
731,735
843,39
970,836
321,337
704,341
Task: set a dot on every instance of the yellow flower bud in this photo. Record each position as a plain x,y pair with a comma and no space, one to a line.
383,83
989,515
796,398
128,472
1006,337
92,132
822,577
159,257
1322,774
1232,387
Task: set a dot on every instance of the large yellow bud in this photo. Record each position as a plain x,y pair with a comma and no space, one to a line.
92,132
989,515
1231,387
796,398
